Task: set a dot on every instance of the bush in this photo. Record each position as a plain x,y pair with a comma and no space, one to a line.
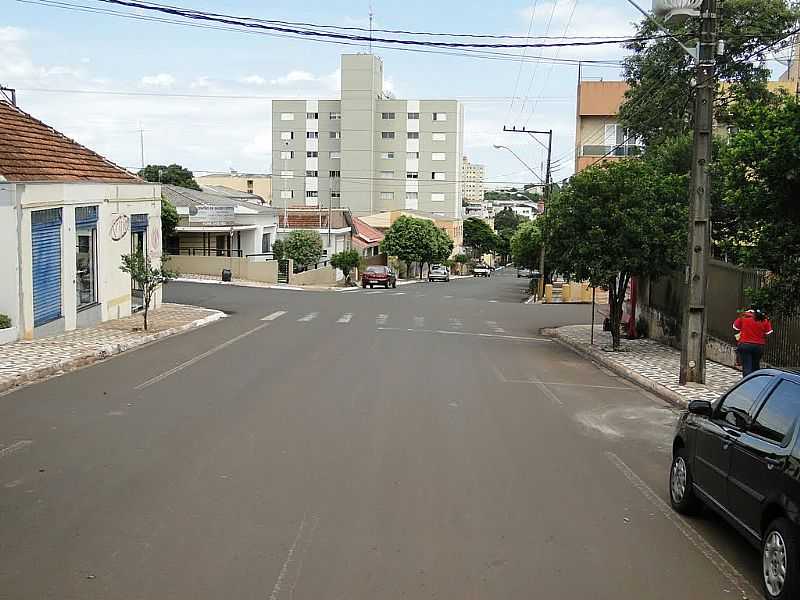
5,321
278,250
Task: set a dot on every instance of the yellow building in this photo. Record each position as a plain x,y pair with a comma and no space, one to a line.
453,227
260,185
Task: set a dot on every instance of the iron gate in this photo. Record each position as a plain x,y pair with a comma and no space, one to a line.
283,271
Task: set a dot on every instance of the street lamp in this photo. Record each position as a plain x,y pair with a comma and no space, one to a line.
535,174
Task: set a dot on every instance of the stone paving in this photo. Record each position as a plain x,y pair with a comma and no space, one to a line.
28,360
654,366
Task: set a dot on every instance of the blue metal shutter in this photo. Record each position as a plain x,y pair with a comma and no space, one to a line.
46,244
138,223
85,216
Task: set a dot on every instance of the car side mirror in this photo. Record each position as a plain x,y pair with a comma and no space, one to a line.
700,407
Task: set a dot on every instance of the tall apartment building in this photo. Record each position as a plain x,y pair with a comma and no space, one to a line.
367,151
472,176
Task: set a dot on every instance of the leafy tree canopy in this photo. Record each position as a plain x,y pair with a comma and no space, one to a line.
416,240
278,249
346,260
170,175
479,236
526,245
507,219
169,218
303,246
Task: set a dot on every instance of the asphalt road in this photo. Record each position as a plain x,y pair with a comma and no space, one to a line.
423,442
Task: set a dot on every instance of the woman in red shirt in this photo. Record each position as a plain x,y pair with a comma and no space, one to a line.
752,329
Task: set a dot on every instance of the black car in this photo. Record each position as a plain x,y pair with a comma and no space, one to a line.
740,455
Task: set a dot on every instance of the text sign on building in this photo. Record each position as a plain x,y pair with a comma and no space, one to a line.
212,215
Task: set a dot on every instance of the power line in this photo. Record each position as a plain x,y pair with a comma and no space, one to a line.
534,4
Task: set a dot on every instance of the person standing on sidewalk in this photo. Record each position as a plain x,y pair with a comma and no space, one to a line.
752,329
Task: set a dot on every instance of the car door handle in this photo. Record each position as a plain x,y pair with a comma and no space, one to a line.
773,462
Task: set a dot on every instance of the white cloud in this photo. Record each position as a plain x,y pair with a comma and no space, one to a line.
293,77
254,80
164,80
11,35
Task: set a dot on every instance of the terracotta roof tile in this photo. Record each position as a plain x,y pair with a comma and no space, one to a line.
365,235
33,151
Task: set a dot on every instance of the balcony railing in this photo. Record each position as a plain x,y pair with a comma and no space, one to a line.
611,150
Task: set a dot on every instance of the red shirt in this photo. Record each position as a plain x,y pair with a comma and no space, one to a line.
751,330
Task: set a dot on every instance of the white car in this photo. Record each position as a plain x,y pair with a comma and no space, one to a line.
481,271
438,273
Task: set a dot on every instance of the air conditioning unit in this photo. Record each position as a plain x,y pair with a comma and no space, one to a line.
677,10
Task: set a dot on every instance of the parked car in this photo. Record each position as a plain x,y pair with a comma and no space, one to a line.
481,271
523,272
438,273
378,275
740,456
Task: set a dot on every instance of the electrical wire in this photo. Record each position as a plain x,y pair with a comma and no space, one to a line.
534,4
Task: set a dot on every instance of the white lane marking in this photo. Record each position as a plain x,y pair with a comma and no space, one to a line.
419,322
381,319
469,333
290,557
350,291
275,315
399,294
495,327
374,292
448,297
199,357
308,317
492,301
730,573
15,447
456,323
345,318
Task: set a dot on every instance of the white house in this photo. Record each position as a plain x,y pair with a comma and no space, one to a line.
67,216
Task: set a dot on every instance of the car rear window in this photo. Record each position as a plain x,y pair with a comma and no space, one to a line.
776,419
376,269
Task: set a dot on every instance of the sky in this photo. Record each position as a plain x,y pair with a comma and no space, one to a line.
110,82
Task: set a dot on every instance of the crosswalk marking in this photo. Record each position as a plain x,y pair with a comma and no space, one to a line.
345,318
495,327
381,319
308,317
275,315
419,322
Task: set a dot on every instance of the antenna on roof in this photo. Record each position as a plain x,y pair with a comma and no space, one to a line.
12,97
371,17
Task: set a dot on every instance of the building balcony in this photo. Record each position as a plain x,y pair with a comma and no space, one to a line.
611,150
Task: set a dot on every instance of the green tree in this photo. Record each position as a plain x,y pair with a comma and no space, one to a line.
147,277
526,245
440,246
304,247
171,175
346,260
617,221
759,170
479,236
278,249
406,239
660,100
169,219
507,219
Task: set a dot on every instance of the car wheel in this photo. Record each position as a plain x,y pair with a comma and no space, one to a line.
363,285
681,493
779,559
519,276
394,285
387,285
371,286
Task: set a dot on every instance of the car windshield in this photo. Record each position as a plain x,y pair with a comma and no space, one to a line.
377,269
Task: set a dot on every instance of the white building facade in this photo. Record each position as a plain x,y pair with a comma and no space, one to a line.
473,176
367,151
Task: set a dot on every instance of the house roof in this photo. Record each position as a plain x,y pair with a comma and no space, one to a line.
181,196
33,151
222,190
303,218
365,236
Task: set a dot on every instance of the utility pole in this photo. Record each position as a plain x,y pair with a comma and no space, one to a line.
693,349
141,144
533,133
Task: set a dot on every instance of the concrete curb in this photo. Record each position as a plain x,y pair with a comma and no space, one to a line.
600,357
101,353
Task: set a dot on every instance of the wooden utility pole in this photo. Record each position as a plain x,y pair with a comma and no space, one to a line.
693,349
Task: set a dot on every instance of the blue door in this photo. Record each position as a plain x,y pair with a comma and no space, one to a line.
46,244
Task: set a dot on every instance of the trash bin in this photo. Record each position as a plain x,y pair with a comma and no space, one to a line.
226,275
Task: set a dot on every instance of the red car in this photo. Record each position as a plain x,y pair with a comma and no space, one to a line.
379,276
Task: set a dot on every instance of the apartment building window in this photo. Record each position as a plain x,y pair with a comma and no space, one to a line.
387,155
287,116
312,116
413,116
336,194
335,135
438,176
287,194
287,135
287,174
438,156
387,135
437,197
312,135
387,195
312,173
412,175
287,154
387,174
412,155
334,173
249,186
335,116
313,154
387,115
335,154
312,194
412,196
413,135
439,116
439,137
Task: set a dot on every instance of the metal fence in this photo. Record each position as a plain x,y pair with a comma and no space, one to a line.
728,286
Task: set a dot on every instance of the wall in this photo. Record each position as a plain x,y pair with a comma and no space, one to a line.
321,276
9,261
113,286
241,268
262,185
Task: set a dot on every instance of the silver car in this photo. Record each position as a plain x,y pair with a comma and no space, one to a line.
438,273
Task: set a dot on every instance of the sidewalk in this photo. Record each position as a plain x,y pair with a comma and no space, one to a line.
27,361
652,365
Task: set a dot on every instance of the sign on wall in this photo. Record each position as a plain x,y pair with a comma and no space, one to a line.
119,227
154,245
219,216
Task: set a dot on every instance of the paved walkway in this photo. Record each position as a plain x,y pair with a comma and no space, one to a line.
648,363
28,360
